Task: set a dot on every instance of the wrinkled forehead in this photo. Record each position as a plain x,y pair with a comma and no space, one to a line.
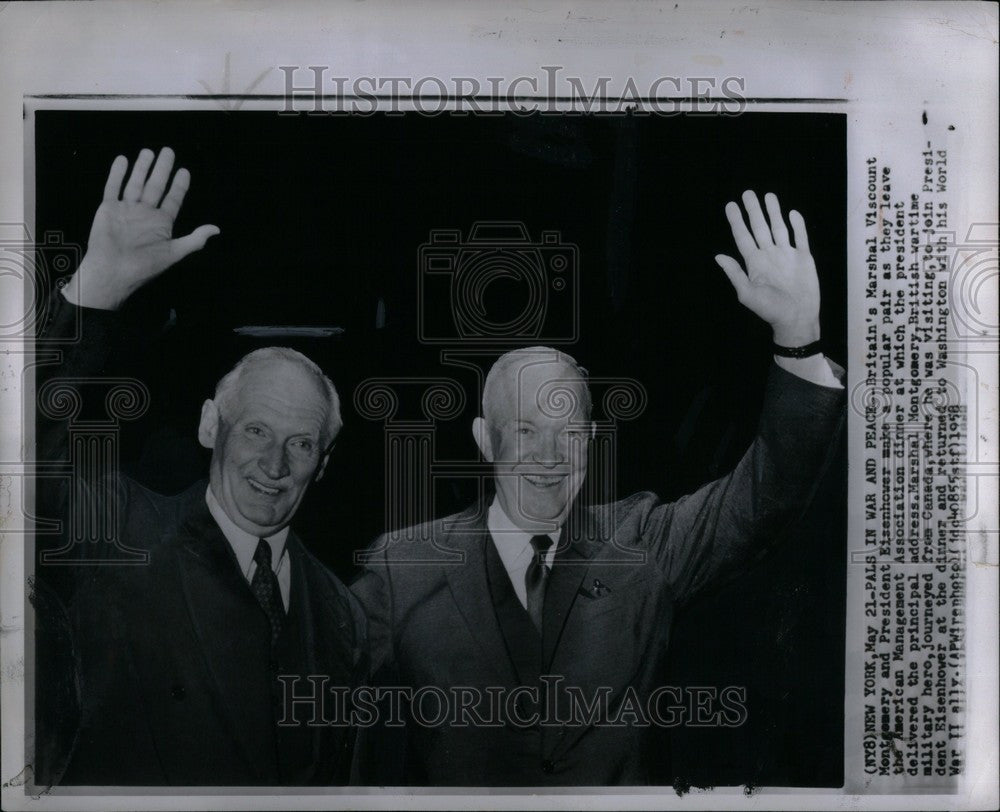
542,388
284,386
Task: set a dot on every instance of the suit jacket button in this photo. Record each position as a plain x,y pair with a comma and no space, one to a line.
548,767
177,692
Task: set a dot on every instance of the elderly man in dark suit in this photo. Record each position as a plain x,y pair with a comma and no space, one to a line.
546,627
179,659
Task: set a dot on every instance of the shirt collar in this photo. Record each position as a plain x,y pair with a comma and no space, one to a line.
243,543
512,543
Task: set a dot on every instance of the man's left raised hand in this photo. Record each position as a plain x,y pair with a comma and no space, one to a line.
780,283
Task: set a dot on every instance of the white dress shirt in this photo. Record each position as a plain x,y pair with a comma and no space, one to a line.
514,547
245,545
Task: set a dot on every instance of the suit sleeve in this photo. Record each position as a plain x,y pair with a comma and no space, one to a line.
83,338
718,530
373,589
68,598
85,491
379,751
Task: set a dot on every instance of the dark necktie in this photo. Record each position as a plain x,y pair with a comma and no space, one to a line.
536,578
264,586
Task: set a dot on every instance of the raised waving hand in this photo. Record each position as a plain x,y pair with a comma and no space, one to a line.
780,283
131,239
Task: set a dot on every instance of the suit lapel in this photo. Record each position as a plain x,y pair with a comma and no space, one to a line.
571,565
215,591
326,635
471,591
585,555
328,645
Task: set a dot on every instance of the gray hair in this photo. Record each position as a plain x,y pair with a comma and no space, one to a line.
226,388
501,368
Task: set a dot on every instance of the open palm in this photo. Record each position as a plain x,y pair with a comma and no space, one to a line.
131,239
780,283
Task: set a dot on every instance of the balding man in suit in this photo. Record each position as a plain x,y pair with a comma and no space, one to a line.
551,626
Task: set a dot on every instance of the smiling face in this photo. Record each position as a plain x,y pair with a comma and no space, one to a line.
268,442
536,433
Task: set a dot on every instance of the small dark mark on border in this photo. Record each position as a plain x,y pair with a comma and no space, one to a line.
20,779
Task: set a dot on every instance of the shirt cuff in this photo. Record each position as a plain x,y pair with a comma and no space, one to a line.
816,369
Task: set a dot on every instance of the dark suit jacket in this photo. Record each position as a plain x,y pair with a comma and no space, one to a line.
173,660
433,623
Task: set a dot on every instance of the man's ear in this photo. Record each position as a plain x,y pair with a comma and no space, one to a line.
321,468
208,426
482,437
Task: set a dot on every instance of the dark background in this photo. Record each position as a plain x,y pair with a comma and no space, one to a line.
322,219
